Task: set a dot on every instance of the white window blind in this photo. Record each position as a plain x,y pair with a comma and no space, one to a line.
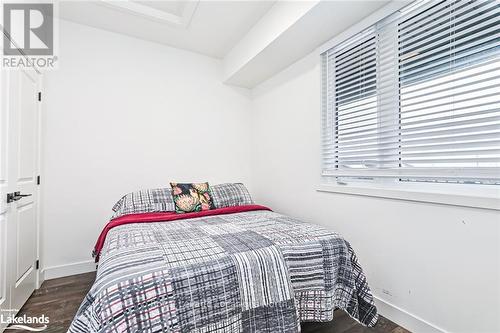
417,96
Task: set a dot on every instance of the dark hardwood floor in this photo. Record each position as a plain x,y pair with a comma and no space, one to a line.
59,299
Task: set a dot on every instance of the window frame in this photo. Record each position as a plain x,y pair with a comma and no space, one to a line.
390,186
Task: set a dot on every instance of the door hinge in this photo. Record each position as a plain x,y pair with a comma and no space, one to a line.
37,264
39,96
38,180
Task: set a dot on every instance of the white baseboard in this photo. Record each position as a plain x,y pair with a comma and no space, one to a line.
405,319
54,272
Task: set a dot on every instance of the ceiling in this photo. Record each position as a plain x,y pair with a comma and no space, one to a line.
208,27
255,39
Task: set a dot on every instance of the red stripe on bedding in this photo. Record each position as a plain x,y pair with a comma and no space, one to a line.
165,217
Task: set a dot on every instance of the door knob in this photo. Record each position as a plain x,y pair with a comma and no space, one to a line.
15,196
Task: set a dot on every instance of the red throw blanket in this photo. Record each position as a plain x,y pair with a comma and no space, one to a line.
164,217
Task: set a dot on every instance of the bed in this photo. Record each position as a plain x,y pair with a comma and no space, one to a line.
235,268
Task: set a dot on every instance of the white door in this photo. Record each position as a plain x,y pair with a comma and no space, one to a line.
19,179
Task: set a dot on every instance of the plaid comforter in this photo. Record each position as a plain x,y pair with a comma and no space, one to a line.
255,271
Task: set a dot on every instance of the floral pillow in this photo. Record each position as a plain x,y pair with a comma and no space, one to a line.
193,197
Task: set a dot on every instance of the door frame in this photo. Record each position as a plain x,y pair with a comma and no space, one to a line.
5,279
39,276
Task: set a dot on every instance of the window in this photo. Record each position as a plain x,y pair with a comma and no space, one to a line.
416,97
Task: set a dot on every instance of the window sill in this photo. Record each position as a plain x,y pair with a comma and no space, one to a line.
475,196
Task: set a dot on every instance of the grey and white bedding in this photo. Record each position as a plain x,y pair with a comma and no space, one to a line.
253,271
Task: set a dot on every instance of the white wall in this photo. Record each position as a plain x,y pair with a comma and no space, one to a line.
122,114
440,264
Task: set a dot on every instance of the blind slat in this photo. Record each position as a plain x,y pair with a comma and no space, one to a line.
418,67
463,132
433,72
423,60
485,19
478,173
486,77
424,18
375,144
425,29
